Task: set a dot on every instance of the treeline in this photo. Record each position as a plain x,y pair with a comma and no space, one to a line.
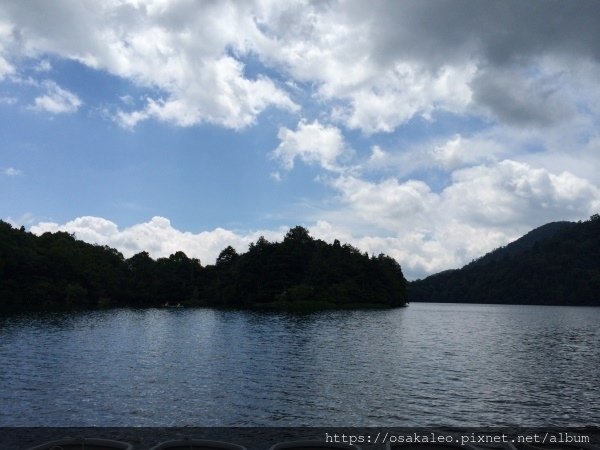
55,270
556,264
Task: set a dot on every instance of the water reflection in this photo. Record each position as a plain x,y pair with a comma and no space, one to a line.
428,364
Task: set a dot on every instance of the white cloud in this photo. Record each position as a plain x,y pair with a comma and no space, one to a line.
450,154
378,156
391,99
482,208
157,236
376,66
388,203
392,61
572,147
237,103
337,47
12,172
56,100
311,143
189,55
460,151
510,193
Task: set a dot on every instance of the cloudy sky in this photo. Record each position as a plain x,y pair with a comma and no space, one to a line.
433,131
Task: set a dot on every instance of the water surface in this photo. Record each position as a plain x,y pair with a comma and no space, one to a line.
427,364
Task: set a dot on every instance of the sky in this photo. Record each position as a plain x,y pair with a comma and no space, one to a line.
433,131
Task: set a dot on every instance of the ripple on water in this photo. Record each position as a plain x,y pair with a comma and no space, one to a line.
428,364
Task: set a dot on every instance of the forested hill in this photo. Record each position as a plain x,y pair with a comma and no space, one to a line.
55,270
556,264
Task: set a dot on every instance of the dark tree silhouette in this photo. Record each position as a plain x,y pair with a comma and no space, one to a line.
56,270
227,256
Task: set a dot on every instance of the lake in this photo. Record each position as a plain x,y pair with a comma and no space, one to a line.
427,364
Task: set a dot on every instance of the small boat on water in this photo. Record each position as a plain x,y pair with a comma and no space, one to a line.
197,444
169,305
84,444
313,445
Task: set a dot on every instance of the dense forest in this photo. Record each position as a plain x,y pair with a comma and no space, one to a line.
556,264
55,270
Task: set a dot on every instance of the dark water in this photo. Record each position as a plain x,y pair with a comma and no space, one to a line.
428,364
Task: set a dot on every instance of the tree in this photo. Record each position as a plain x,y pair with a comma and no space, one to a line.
297,235
56,270
227,256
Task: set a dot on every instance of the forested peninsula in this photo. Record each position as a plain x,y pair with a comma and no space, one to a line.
555,264
58,271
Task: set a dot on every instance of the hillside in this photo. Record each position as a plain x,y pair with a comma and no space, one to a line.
555,264
56,270
524,243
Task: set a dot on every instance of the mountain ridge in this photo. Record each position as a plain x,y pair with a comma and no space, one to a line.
554,264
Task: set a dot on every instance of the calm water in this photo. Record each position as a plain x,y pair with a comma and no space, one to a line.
428,364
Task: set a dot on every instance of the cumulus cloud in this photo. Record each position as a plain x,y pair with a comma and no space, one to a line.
188,55
460,151
514,193
388,203
236,107
311,143
392,61
483,207
379,64
567,153
393,98
56,100
157,236
441,156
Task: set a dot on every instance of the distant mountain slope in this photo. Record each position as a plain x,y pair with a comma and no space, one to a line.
524,243
555,264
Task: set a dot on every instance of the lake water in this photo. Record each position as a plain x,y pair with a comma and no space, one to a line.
427,364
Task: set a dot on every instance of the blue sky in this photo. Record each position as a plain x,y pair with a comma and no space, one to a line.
431,131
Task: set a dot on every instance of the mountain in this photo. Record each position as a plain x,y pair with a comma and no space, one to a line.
555,264
55,270
524,243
